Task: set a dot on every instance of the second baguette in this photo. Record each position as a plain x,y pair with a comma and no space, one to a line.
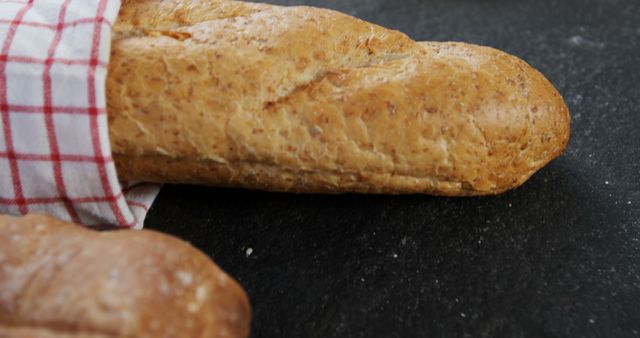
311,100
60,280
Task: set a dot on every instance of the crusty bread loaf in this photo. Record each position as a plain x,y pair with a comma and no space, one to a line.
311,100
61,280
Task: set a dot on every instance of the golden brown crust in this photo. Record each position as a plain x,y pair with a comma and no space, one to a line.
311,100
61,280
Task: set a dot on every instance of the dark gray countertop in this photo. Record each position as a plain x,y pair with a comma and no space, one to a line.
558,257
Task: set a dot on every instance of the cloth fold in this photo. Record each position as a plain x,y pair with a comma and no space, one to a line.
55,155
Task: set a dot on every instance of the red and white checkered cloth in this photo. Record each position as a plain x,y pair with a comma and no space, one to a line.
55,155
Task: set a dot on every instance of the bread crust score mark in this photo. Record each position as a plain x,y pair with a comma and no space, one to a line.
310,100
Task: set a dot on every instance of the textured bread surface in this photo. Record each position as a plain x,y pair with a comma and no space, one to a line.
311,100
61,280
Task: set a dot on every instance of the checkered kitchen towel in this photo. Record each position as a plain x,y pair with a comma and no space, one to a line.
55,155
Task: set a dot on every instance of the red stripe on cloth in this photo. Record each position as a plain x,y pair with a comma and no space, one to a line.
128,188
52,200
13,2
26,59
139,205
95,131
66,24
48,116
6,121
62,157
14,108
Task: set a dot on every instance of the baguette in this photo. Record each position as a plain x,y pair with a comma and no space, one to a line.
61,280
310,100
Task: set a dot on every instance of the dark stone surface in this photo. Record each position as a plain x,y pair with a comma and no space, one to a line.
558,257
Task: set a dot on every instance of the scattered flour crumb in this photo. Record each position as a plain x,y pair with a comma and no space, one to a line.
248,252
184,277
576,40
463,315
580,41
201,293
